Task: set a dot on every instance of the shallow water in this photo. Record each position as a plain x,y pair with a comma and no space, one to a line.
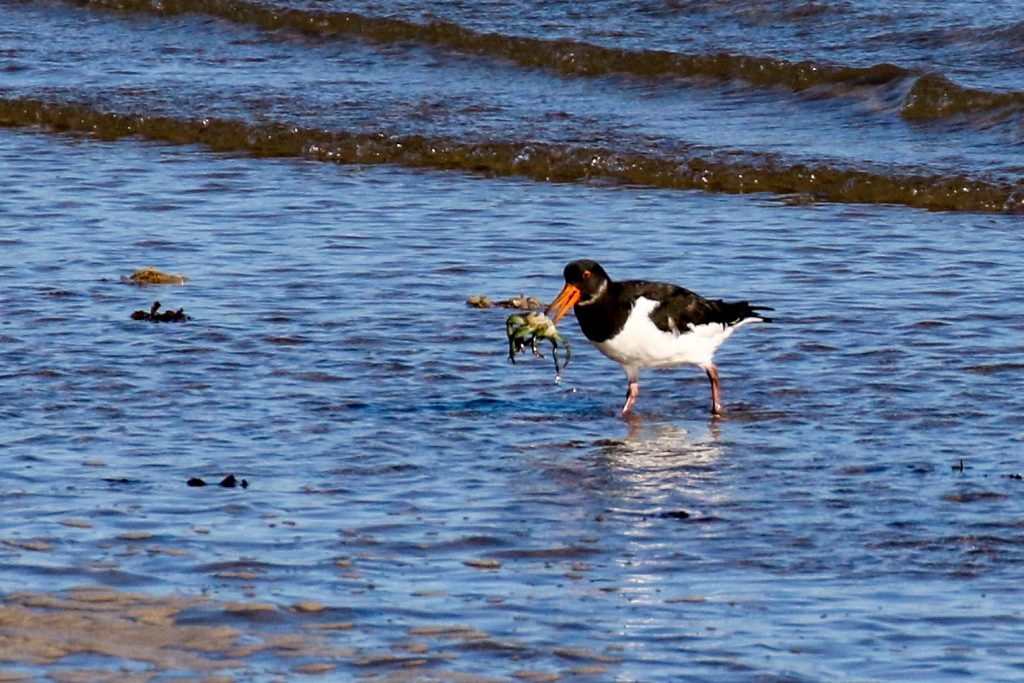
331,362
417,507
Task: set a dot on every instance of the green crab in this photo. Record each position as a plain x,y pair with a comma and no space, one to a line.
529,329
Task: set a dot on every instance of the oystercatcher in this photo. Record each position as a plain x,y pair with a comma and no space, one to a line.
642,324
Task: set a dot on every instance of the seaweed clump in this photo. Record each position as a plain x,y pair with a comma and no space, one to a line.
523,302
152,276
228,482
153,315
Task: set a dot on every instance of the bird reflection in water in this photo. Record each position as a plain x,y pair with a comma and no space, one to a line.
654,465
656,462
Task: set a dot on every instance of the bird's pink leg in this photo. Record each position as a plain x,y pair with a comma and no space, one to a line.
716,390
631,395
633,375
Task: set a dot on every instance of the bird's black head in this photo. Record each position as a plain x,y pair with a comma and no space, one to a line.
585,280
586,275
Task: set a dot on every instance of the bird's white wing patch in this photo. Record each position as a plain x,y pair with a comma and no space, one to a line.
642,343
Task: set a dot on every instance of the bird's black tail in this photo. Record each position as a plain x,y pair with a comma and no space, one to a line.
738,311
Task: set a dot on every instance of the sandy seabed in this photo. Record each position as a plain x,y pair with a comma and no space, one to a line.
97,634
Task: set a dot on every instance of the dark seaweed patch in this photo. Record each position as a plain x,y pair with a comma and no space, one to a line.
153,315
545,162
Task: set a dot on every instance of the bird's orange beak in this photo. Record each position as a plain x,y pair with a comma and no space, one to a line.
568,297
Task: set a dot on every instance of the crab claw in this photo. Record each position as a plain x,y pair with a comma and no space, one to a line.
533,345
565,346
513,329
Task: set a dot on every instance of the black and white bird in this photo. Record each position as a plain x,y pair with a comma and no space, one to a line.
642,324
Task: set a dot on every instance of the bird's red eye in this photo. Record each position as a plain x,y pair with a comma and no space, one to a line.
586,274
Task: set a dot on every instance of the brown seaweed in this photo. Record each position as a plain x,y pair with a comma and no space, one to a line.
152,276
521,302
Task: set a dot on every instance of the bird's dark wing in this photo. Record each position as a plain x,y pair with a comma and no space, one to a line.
679,308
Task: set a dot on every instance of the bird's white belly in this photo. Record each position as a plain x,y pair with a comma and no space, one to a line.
641,343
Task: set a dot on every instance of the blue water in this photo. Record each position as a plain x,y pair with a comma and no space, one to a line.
331,362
